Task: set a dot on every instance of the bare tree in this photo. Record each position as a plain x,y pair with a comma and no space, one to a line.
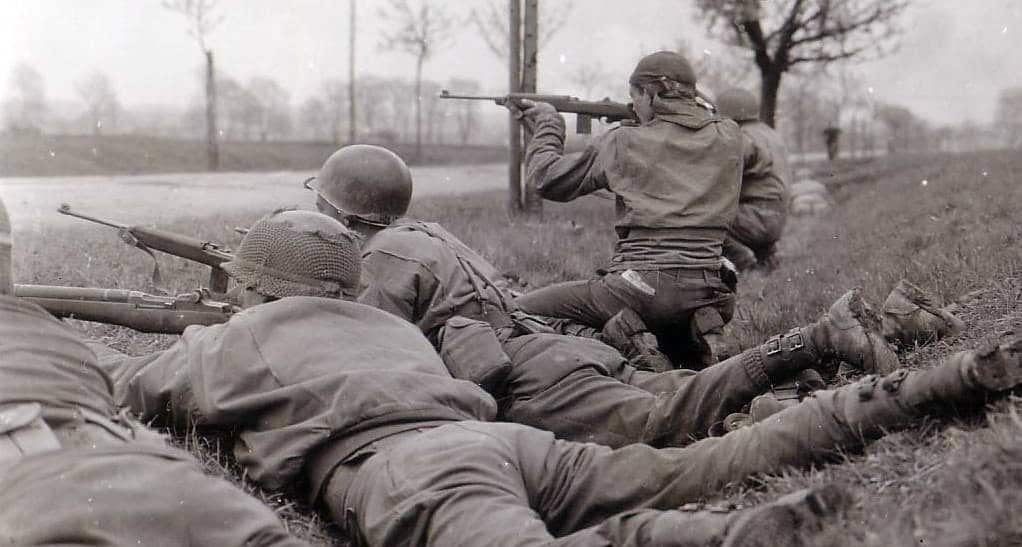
273,104
466,112
419,33
1008,117
201,22
336,94
25,107
589,78
314,115
718,70
491,22
787,33
101,104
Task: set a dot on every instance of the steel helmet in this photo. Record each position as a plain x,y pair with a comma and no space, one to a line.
741,105
367,182
298,253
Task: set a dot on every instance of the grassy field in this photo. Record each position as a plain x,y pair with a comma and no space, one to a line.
950,224
53,155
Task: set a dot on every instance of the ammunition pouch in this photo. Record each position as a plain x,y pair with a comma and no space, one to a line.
472,352
23,432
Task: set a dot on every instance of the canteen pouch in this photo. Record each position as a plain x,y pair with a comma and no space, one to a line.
471,351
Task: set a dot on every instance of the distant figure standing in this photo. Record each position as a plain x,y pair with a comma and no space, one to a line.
762,204
832,136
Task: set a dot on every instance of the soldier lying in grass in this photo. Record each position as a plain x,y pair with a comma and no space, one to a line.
75,471
354,402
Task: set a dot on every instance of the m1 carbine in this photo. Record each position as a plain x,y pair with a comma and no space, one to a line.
146,239
585,111
133,309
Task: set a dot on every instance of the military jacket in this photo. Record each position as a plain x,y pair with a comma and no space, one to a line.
292,374
676,180
423,274
43,360
766,174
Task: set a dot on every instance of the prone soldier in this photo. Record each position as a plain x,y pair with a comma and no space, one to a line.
75,471
401,453
577,388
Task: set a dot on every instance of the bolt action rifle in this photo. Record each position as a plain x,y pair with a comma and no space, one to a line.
133,309
147,239
585,111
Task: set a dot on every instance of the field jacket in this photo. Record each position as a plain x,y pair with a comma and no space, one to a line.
423,274
676,180
293,374
766,174
43,360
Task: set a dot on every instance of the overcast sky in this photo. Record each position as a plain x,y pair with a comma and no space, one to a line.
954,58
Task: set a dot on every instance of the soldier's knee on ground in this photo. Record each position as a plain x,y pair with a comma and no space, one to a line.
707,326
628,333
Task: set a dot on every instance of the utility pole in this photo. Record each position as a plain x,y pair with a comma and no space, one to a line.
514,205
351,73
532,202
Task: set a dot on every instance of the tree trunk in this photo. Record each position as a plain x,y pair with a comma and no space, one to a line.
514,197
212,146
771,77
532,202
351,75
418,107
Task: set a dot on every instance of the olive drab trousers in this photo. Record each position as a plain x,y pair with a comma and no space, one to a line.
584,390
475,483
679,306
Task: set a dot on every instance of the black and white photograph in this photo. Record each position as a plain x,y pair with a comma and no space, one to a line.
375,273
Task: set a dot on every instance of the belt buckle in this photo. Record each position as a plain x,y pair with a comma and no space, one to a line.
798,344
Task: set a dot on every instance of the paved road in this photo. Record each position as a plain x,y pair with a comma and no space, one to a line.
153,198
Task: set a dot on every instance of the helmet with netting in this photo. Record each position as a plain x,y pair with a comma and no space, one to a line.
369,183
741,105
298,253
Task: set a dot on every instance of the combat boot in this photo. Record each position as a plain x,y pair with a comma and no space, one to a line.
850,331
627,333
913,316
874,404
787,520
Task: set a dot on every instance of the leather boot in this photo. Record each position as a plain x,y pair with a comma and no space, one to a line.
786,520
627,333
875,404
850,331
912,316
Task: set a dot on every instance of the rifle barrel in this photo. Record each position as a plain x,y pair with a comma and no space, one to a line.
74,293
65,209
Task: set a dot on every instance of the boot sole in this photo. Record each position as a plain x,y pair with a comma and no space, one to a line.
1000,368
782,522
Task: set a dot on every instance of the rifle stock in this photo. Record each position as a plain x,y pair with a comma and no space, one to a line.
189,248
133,309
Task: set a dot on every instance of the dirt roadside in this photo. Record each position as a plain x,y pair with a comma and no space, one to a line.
146,199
